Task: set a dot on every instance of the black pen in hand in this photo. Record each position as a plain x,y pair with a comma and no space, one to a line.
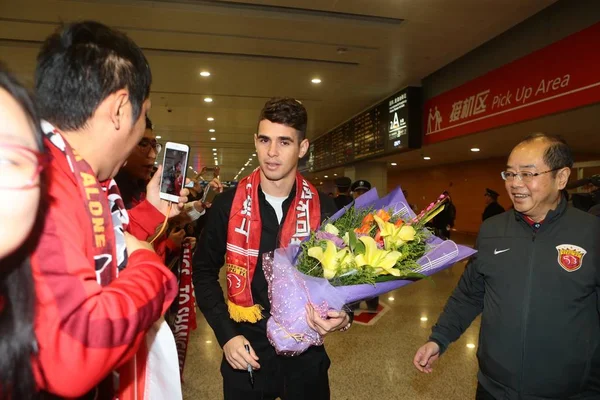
247,347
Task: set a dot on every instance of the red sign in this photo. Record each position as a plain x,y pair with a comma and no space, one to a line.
559,77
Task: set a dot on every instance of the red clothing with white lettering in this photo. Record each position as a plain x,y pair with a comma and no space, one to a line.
84,330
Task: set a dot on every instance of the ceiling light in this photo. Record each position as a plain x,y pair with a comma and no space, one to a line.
216,158
423,319
159,137
475,149
321,183
155,162
242,169
208,341
211,130
316,80
426,158
390,298
250,159
208,99
191,168
253,154
213,138
470,345
334,174
214,149
393,164
326,176
211,119
205,74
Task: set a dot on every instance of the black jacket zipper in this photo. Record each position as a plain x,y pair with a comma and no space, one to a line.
526,312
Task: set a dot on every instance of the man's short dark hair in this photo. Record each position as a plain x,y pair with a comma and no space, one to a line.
80,65
287,111
558,154
149,123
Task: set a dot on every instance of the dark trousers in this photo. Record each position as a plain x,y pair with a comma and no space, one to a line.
483,394
290,378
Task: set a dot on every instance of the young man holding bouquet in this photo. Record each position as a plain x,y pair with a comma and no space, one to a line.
272,207
535,280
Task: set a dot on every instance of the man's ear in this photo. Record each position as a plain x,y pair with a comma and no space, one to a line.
562,177
303,148
117,104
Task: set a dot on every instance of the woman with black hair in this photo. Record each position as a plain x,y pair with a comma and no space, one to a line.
21,164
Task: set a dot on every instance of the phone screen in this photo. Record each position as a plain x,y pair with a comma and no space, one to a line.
173,177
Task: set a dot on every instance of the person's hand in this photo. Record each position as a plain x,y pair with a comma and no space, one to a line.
191,241
134,244
237,356
153,196
336,320
177,236
216,185
426,356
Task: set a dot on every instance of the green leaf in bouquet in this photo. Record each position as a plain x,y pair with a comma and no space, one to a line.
352,240
360,248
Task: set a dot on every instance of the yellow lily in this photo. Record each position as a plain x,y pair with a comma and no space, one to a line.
329,228
382,260
394,236
330,259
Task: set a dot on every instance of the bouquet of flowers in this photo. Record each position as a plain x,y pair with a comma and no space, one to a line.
368,248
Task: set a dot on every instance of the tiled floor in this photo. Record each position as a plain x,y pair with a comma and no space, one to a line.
371,362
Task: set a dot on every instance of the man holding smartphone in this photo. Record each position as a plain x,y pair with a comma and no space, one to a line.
99,285
272,207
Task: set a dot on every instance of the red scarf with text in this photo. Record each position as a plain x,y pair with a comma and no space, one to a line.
243,239
105,208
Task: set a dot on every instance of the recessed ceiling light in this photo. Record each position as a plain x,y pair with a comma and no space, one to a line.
242,169
390,298
250,159
208,341
208,99
155,162
214,149
205,74
321,183
393,164
211,130
470,345
423,319
213,138
191,168
211,119
316,80
475,149
426,158
253,154
159,137
326,176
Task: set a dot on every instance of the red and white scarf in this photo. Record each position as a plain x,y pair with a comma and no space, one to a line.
243,239
109,217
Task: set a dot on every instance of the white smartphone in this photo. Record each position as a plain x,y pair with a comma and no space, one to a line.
174,168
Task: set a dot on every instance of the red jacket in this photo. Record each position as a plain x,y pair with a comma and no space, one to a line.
84,330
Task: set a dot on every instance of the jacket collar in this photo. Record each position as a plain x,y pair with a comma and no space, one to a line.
552,215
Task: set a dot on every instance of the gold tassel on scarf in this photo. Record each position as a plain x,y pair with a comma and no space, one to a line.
251,314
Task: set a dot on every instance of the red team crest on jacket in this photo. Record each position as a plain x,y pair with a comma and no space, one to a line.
570,257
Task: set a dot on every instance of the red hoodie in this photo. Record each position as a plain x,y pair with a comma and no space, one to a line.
85,330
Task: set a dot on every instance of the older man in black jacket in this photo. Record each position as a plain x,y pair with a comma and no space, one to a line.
536,281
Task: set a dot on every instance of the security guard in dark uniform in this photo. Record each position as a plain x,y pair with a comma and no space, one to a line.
492,208
343,187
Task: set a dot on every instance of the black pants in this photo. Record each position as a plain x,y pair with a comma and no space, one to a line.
483,394
291,378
